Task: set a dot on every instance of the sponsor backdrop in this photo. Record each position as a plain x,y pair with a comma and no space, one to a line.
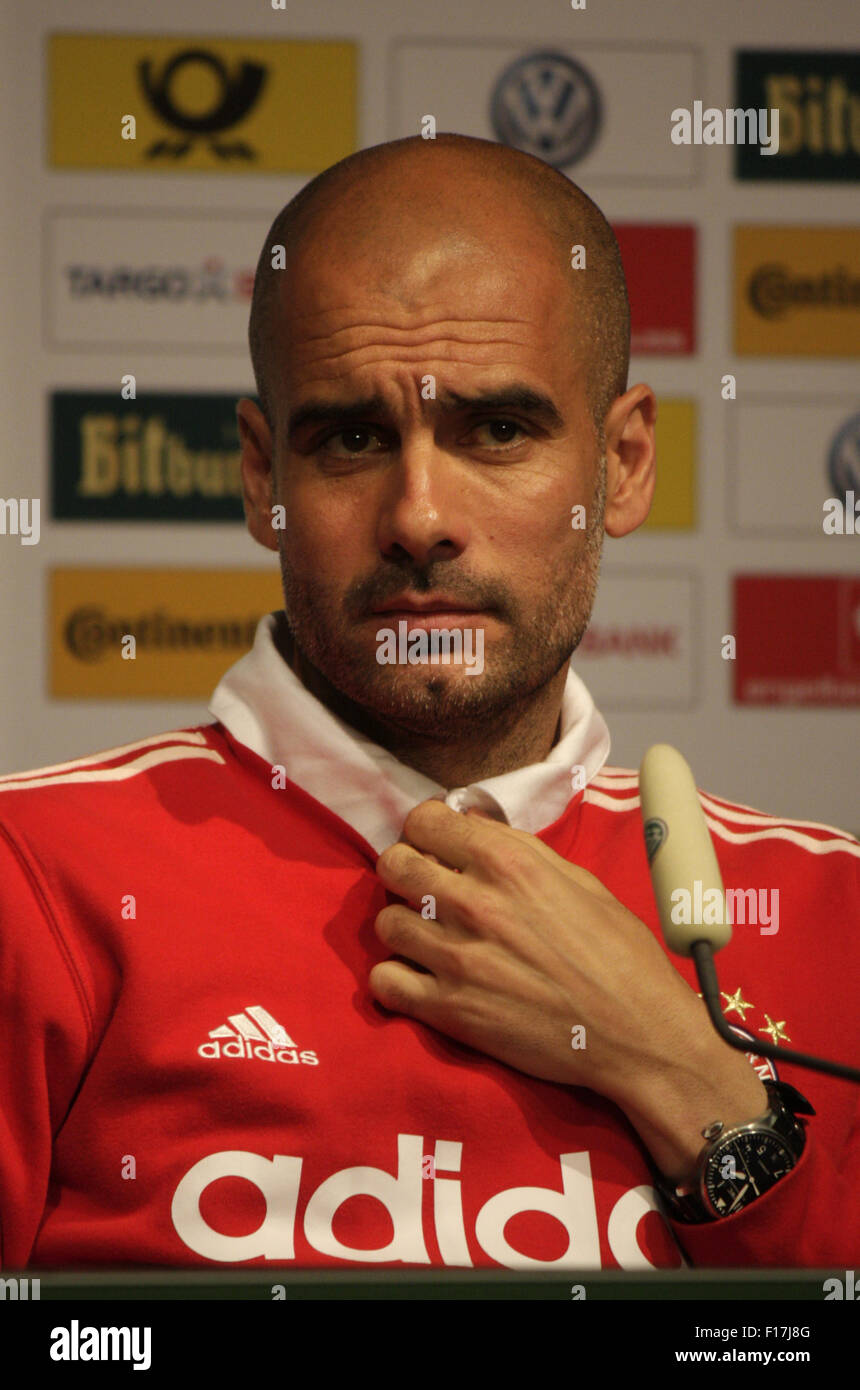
127,275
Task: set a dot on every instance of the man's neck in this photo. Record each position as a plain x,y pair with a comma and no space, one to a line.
524,735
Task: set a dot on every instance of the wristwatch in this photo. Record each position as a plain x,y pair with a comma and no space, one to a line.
739,1164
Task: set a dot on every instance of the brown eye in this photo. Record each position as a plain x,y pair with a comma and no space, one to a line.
502,431
355,440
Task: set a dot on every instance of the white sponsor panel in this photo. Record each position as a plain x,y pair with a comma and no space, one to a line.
779,463
457,83
171,281
638,651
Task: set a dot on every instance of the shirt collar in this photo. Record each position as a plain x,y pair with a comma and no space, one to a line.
265,707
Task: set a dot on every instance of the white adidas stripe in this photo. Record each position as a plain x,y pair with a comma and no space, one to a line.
122,773
772,827
778,830
734,811
737,812
753,817
180,736
245,1026
783,833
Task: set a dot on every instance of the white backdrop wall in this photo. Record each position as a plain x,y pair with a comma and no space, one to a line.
795,761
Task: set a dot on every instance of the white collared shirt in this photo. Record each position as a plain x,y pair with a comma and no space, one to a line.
265,706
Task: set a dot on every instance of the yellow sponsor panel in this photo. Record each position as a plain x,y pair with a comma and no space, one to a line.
234,106
674,505
797,291
188,625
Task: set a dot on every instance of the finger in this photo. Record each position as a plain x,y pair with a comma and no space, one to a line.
458,841
455,832
434,828
409,873
405,991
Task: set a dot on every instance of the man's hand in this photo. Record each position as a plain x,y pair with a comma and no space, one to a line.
524,948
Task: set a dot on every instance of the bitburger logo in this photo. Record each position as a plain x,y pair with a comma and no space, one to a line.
237,93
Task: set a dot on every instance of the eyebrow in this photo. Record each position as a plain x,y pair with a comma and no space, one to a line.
516,397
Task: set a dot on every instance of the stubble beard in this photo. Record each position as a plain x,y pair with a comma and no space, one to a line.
441,701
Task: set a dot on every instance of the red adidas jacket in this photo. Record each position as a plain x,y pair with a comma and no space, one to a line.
193,1070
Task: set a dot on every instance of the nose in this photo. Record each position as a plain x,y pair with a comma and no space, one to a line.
422,516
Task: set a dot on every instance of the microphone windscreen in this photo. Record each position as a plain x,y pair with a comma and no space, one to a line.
685,874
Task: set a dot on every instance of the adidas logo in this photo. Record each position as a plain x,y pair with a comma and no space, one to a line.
254,1033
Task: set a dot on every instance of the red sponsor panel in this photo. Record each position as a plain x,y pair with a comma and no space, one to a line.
660,265
798,640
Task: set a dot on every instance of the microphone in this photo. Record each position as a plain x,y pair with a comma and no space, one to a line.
684,858
684,868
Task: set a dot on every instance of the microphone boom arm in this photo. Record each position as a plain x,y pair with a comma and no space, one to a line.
703,959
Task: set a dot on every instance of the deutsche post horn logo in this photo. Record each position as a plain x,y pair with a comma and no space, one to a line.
235,98
547,105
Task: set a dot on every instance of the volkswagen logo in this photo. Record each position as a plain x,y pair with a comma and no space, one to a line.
843,460
547,105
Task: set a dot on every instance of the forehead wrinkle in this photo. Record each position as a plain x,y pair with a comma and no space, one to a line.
414,352
363,336
432,322
435,311
513,365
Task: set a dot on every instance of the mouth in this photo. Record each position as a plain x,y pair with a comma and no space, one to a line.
429,603
429,612
462,617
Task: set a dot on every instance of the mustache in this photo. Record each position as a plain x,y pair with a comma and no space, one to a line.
369,593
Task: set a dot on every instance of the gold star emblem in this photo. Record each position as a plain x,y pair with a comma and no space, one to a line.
735,1001
776,1030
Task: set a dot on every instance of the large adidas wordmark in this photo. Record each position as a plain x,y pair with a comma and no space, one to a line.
279,1180
255,1033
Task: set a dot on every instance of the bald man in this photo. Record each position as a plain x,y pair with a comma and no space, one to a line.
393,969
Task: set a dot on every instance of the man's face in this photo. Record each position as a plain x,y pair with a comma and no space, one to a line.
432,439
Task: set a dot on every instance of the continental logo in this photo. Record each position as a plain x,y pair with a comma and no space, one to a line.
797,291
774,290
174,456
91,634
224,105
817,95
167,633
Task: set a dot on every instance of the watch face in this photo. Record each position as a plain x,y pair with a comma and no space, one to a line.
745,1167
